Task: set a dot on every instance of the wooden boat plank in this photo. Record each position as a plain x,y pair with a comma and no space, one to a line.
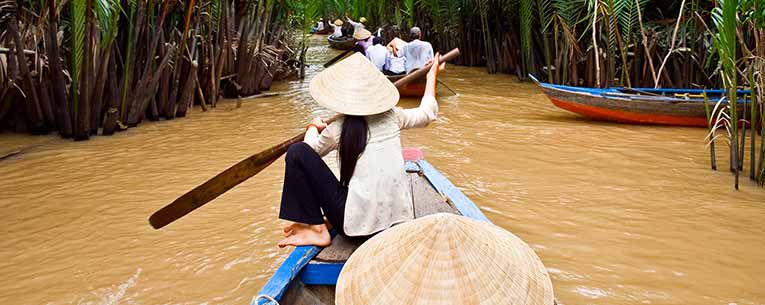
339,251
426,200
302,294
462,203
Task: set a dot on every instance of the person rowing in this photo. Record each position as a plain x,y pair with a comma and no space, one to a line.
357,25
337,28
372,192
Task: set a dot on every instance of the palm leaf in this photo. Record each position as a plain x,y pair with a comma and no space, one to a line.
77,46
526,20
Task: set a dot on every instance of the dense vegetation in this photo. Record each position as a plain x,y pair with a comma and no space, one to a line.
89,65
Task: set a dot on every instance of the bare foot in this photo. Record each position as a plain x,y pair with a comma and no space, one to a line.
290,229
314,235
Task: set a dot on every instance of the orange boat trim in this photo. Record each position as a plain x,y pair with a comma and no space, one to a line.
628,117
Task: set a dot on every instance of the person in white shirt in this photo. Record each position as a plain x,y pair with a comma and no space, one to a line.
394,64
416,52
320,25
357,25
372,192
377,53
337,28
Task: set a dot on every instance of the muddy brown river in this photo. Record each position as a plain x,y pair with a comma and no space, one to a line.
619,214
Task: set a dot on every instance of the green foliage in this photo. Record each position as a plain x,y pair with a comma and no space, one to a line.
626,12
77,47
433,7
545,11
409,12
526,20
108,16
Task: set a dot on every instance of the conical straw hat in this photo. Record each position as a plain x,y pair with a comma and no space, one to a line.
444,259
361,34
354,86
338,22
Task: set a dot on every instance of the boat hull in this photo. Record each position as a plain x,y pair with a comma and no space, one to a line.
646,106
320,32
414,89
623,110
343,43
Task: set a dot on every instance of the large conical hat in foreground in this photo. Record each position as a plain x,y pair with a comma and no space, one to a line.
444,259
354,86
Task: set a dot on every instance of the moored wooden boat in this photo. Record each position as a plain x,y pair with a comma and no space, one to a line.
309,274
340,43
676,107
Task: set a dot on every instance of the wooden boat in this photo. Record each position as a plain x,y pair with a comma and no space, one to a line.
309,274
340,43
324,31
413,89
676,107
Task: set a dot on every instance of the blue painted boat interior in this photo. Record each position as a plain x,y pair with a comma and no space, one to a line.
669,91
299,263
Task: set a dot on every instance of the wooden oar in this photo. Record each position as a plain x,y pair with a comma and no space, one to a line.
338,57
421,72
247,168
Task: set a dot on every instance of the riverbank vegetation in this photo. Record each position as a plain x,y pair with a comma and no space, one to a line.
83,67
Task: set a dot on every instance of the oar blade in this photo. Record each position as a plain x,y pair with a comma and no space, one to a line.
219,184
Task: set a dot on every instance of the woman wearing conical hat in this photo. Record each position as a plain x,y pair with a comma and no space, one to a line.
363,40
372,192
337,28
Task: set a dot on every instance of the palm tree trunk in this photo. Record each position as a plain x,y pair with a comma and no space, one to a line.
63,120
34,113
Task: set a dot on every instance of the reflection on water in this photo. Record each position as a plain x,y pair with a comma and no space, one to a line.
619,214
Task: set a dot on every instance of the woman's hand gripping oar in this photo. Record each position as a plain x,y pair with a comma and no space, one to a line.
247,168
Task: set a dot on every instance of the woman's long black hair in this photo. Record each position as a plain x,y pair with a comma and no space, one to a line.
353,141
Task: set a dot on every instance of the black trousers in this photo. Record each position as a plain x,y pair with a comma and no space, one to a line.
310,187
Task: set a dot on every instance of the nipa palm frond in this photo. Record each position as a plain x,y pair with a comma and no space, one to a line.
526,20
78,45
545,10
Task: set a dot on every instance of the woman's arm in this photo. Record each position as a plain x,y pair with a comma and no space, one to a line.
428,109
353,23
321,137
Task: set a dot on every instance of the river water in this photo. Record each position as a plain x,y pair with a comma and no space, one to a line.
619,214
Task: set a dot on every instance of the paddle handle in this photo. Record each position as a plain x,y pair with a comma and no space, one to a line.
338,57
421,72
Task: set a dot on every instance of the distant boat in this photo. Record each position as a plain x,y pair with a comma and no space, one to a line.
323,31
340,43
309,274
675,107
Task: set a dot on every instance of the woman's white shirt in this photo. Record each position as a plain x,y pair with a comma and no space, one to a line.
379,194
